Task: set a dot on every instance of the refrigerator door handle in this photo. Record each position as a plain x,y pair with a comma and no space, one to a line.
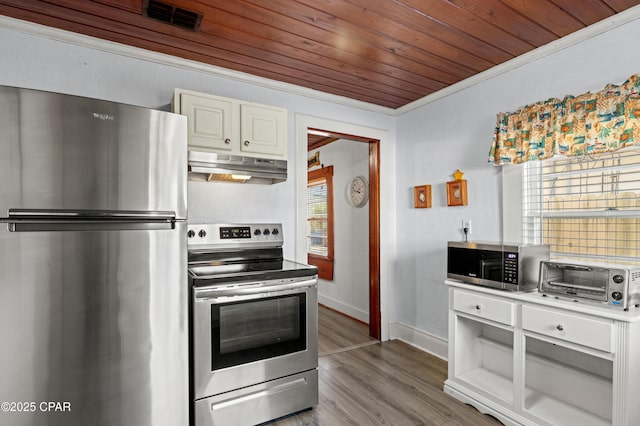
29,220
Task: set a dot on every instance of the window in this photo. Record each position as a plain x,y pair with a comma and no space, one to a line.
585,207
320,221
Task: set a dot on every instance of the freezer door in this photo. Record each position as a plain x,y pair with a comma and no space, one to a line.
67,152
95,322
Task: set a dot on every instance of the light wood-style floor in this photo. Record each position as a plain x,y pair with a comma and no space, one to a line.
365,382
337,332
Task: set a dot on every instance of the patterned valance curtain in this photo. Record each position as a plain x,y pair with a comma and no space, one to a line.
587,124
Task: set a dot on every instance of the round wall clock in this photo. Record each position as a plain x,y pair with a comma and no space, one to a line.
358,191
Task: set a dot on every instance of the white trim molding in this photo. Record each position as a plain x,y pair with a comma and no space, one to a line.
387,194
345,308
605,25
422,340
548,49
175,61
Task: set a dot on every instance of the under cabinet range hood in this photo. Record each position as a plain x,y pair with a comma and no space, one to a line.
216,167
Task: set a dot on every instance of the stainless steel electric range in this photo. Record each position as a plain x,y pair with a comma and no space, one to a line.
254,326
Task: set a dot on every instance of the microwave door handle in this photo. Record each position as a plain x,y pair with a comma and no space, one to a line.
482,268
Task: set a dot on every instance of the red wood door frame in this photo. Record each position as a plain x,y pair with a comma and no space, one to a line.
374,227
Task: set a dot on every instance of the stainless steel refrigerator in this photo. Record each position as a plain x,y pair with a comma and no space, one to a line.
93,287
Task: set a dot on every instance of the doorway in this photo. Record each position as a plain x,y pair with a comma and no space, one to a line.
317,138
384,220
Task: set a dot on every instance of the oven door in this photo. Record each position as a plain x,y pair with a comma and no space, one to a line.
575,281
250,333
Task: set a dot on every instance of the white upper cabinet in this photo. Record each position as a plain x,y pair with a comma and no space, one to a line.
210,121
232,126
263,130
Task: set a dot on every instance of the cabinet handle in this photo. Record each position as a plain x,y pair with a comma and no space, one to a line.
246,143
560,327
227,141
478,307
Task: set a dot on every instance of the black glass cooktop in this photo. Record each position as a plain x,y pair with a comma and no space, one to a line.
207,273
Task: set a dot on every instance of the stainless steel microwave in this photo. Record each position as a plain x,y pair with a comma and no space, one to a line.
506,266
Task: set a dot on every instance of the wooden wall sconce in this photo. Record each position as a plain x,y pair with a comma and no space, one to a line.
457,190
422,197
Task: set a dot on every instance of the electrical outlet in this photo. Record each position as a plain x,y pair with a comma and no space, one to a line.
466,224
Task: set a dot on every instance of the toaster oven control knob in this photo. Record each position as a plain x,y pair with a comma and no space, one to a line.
266,231
616,295
275,231
191,233
618,279
257,232
202,233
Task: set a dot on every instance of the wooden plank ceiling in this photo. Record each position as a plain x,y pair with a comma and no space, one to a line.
385,52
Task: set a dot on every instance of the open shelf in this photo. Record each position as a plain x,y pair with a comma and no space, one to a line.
490,382
487,362
559,393
556,412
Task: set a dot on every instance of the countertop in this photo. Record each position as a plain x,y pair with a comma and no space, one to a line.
585,307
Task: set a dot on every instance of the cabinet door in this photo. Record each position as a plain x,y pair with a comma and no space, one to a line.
263,130
209,122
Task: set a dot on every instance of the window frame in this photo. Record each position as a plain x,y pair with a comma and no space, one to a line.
590,226
324,263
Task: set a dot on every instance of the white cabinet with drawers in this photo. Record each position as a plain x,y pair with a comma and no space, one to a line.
531,360
226,125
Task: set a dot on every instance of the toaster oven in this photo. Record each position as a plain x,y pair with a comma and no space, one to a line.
609,285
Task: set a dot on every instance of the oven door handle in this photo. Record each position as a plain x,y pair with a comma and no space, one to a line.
272,390
203,293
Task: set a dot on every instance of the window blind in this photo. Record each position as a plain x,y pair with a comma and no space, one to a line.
585,207
317,224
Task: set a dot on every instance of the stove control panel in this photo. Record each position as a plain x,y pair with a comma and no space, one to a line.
231,232
225,234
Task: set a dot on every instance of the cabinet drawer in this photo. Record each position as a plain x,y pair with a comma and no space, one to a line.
591,332
487,307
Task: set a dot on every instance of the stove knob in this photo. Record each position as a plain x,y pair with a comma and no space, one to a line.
616,295
202,233
257,232
618,279
275,231
266,231
191,233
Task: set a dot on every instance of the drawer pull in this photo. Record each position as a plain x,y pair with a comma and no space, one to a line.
477,307
560,327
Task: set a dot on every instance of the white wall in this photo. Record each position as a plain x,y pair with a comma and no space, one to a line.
433,140
455,132
51,63
349,290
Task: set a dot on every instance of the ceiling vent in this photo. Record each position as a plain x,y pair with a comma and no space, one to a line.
173,15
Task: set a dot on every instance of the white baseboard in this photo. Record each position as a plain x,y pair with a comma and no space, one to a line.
339,306
422,340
